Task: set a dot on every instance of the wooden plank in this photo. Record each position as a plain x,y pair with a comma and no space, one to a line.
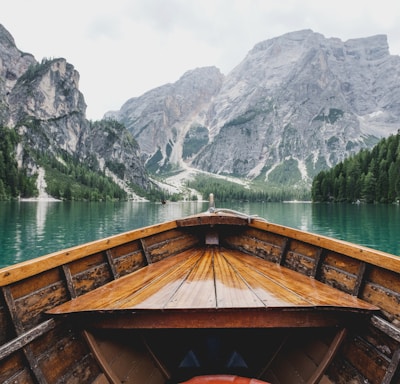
388,328
285,247
368,255
366,359
62,357
231,290
69,281
320,256
266,247
338,278
120,291
165,237
222,318
81,266
29,309
25,338
21,377
333,349
36,283
19,327
159,364
241,281
85,370
9,299
360,279
341,262
12,367
124,250
91,341
316,292
198,289
392,368
266,289
384,278
171,247
145,251
130,263
35,266
299,262
161,291
34,365
212,219
388,301
92,278
111,263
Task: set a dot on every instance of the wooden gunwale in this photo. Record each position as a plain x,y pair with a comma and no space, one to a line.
75,268
359,252
35,266
41,264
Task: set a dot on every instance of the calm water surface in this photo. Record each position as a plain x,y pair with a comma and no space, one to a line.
31,229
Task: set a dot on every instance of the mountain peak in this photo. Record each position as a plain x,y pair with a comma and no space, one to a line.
6,38
296,104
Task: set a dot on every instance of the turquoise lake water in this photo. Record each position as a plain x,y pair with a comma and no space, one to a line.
31,229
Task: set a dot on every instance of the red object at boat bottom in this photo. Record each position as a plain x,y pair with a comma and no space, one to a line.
217,379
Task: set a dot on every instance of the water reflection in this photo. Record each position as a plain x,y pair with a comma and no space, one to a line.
31,229
375,226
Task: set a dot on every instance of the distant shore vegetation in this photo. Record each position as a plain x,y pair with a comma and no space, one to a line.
371,176
14,181
225,190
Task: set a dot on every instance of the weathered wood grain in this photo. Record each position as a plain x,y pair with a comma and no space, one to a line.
36,266
254,275
214,279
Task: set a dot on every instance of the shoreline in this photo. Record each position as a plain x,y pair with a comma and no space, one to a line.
39,199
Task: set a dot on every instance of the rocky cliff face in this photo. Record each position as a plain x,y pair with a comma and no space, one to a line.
161,118
43,103
295,105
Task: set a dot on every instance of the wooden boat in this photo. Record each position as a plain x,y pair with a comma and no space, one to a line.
214,297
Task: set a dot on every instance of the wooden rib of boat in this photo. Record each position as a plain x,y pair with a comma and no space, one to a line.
214,297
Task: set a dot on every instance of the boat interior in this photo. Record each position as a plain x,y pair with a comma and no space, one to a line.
209,311
175,355
210,294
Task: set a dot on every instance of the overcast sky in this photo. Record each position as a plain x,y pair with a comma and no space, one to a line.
123,48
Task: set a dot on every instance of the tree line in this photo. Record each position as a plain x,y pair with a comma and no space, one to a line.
67,178
14,182
370,176
225,190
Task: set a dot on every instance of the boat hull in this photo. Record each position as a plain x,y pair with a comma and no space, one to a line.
108,346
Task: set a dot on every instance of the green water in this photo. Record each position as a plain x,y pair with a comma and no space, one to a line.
31,229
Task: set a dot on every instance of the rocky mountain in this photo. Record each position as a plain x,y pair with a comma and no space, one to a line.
42,102
295,105
164,119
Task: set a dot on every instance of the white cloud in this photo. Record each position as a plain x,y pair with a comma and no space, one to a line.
124,48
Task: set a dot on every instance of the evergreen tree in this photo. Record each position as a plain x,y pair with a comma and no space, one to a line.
14,181
371,175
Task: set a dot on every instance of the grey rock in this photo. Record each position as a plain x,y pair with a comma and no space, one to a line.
296,101
42,102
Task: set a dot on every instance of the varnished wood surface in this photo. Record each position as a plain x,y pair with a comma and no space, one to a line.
359,252
207,272
29,268
213,278
33,267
